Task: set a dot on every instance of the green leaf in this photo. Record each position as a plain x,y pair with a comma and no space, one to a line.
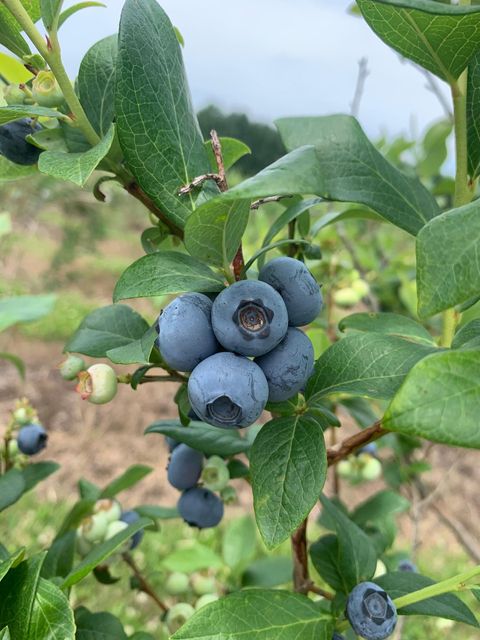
137,352
344,166
88,490
129,478
360,410
103,551
259,614
38,471
49,139
9,171
239,542
473,116
268,572
434,149
192,559
10,35
77,7
154,512
14,483
50,12
75,167
60,556
447,606
214,231
232,151
12,70
99,626
203,437
357,558
352,213
448,268
439,400
326,559
12,561
365,364
51,616
24,309
96,84
17,112
468,336
17,362
390,324
157,127
5,634
166,272
106,329
288,466
441,38
264,250
76,514
382,505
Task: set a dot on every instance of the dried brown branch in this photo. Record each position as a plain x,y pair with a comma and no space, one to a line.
350,445
143,583
258,203
217,152
198,181
301,579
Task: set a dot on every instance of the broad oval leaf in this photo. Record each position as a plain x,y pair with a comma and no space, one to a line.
51,615
50,12
24,309
259,614
157,126
468,336
12,561
203,437
365,364
76,7
137,352
448,267
239,542
232,151
440,400
473,116
17,112
98,626
214,231
127,479
439,37
288,466
268,572
166,272
107,328
13,70
9,171
391,324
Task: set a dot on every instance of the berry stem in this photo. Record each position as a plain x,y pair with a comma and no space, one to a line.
143,583
301,578
358,440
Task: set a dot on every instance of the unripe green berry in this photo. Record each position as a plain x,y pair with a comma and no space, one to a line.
177,584
344,469
229,495
115,527
22,416
98,384
371,468
94,528
208,598
13,94
12,448
71,367
215,475
111,509
360,287
46,91
346,297
178,615
203,584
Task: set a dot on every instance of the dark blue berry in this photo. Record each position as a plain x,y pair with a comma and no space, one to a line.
32,439
407,565
130,517
371,612
200,508
13,145
185,467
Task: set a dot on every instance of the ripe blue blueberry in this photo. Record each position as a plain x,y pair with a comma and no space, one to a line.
371,612
32,439
185,332
407,565
13,145
228,391
200,508
171,443
298,288
249,318
288,367
130,517
185,467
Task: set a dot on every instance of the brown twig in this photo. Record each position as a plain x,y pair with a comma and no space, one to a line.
312,587
134,190
258,203
360,439
217,152
143,584
198,181
301,578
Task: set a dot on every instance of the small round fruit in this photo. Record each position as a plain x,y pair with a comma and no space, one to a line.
200,508
13,95
361,287
31,439
229,495
371,611
46,91
208,598
249,317
71,367
228,391
110,508
115,527
83,546
346,297
344,469
94,528
177,584
178,615
131,517
13,143
13,449
215,475
185,332
370,467
288,367
171,443
298,288
98,384
203,584
184,467
21,416
407,565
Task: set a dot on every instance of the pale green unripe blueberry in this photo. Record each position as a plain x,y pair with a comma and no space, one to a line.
71,367
83,546
371,468
178,615
208,598
46,90
112,530
344,468
177,584
111,509
360,287
12,448
98,384
94,528
229,495
13,94
203,584
215,475
22,416
346,297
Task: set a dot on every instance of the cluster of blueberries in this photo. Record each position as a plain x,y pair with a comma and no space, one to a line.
200,589
107,519
243,349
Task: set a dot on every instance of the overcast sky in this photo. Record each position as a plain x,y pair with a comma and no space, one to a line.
273,58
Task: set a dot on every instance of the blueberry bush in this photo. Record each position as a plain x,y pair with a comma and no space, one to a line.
243,334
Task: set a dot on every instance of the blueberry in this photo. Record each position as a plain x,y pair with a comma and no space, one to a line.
298,288
371,448
171,443
249,318
228,391
13,145
31,439
200,508
185,332
407,565
337,636
130,517
371,611
185,467
288,367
